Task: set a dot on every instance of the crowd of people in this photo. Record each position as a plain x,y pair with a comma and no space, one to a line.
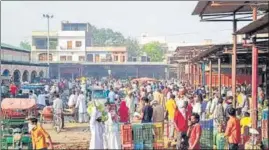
172,102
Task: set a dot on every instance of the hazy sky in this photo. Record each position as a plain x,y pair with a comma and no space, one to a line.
157,18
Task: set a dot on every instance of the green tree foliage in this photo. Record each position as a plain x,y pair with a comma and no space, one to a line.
108,37
155,51
25,45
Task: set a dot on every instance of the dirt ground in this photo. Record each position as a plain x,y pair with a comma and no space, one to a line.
74,136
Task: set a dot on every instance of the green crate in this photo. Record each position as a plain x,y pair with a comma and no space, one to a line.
148,146
148,132
137,133
26,139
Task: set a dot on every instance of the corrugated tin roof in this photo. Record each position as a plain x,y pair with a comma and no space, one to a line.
8,46
205,7
259,26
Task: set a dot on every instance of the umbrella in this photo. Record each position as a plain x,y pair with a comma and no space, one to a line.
145,79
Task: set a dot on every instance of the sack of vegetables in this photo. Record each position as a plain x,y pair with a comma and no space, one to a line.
100,107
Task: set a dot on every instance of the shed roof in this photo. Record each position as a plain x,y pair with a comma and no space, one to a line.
211,7
256,27
15,48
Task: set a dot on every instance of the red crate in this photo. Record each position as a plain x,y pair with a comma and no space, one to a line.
158,145
265,129
127,146
126,134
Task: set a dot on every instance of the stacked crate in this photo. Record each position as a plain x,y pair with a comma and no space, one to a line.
138,136
148,135
206,139
264,128
126,136
158,135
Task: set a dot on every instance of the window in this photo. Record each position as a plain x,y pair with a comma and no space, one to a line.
78,43
123,58
97,58
90,57
62,58
69,44
69,58
43,57
116,58
81,58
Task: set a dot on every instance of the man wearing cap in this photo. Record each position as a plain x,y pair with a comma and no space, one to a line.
158,112
39,136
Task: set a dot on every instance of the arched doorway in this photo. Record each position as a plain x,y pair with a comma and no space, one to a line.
41,74
6,73
25,76
17,76
33,76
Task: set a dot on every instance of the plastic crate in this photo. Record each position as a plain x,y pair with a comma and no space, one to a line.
207,124
148,132
158,145
127,146
126,134
265,114
137,133
158,132
139,146
221,142
148,146
264,129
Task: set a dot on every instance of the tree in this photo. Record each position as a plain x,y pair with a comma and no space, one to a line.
106,37
133,48
25,45
155,51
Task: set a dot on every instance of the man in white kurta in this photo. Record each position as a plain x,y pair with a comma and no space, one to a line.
97,130
112,134
82,109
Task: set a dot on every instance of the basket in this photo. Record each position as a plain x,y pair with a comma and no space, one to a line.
148,133
158,132
126,134
137,133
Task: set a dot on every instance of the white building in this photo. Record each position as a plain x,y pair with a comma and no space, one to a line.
71,45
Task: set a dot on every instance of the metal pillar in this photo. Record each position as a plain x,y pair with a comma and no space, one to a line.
210,79
219,75
254,113
234,57
203,73
189,72
195,76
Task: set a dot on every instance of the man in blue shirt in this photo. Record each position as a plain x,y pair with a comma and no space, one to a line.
111,96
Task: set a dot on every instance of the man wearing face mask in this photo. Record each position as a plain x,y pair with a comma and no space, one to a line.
194,132
39,136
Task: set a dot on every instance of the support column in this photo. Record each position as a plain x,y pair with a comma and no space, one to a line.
189,72
234,57
195,76
219,76
254,112
203,73
210,79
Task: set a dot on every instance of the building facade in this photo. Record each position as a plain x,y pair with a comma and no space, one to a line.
16,65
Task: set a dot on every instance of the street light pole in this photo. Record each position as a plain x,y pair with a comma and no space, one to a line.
48,17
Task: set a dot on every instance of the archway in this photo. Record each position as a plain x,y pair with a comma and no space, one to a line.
17,76
6,72
41,74
33,76
25,76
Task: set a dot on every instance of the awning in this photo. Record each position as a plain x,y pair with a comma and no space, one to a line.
214,7
256,27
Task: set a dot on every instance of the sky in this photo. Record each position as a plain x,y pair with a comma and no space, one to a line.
171,19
